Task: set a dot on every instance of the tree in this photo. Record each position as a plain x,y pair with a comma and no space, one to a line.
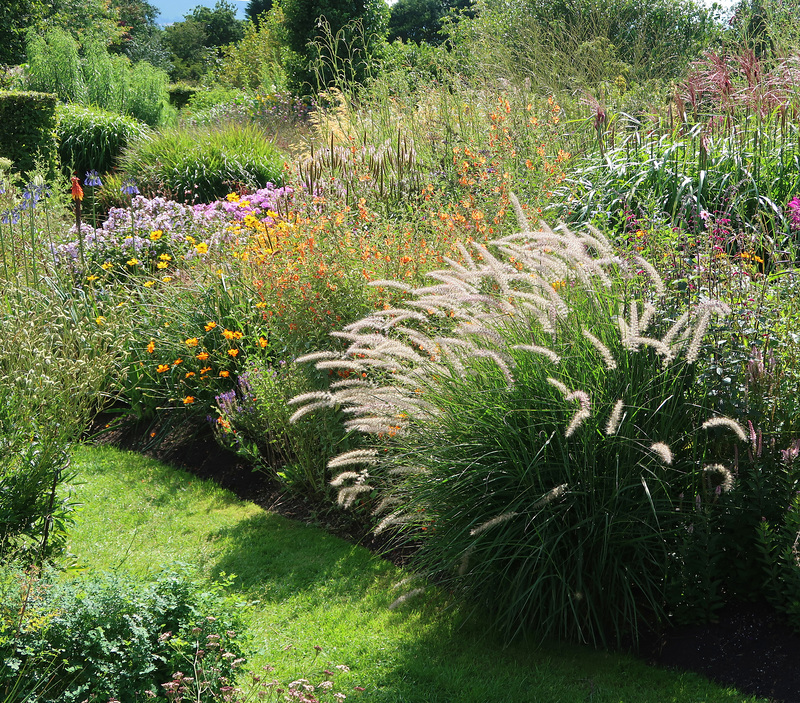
256,8
328,35
15,17
198,41
220,24
421,20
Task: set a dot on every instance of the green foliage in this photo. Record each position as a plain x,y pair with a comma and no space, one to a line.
325,35
15,18
180,94
93,139
84,20
254,422
257,60
256,8
113,636
96,77
29,126
204,164
54,360
745,177
422,20
578,44
197,41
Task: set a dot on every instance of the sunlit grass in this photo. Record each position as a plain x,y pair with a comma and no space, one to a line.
311,588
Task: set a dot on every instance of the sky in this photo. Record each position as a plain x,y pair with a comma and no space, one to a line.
174,10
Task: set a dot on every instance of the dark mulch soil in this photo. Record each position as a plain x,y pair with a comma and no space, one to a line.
750,647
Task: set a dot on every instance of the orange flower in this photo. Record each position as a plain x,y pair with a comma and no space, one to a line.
233,352
263,341
191,342
202,356
210,326
177,361
224,374
161,368
77,191
189,374
188,400
151,347
205,369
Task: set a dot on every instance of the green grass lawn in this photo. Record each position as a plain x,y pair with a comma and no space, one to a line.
311,588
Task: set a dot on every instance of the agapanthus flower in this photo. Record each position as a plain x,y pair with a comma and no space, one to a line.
129,188
92,179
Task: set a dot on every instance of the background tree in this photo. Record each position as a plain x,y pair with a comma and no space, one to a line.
256,8
144,38
197,42
83,19
421,20
325,34
15,17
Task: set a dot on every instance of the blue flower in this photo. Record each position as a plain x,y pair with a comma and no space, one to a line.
129,188
93,180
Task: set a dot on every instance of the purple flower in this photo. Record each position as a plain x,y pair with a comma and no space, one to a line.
794,212
129,187
93,180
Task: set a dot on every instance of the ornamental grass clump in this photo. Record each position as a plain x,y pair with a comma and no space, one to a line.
529,427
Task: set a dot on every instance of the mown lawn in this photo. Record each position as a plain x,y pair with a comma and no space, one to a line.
311,588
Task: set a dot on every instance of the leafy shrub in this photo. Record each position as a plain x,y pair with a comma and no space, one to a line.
112,636
533,427
93,139
204,164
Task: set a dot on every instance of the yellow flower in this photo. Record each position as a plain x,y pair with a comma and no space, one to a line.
210,326
165,257
149,284
189,238
191,342
100,320
132,261
151,347
188,400
233,352
261,305
107,266
202,356
162,265
202,248
232,197
161,368
167,279
92,278
155,235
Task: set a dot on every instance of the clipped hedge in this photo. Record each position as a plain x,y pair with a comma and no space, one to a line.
27,129
91,138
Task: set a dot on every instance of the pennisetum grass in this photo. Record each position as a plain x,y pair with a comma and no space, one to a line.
531,416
